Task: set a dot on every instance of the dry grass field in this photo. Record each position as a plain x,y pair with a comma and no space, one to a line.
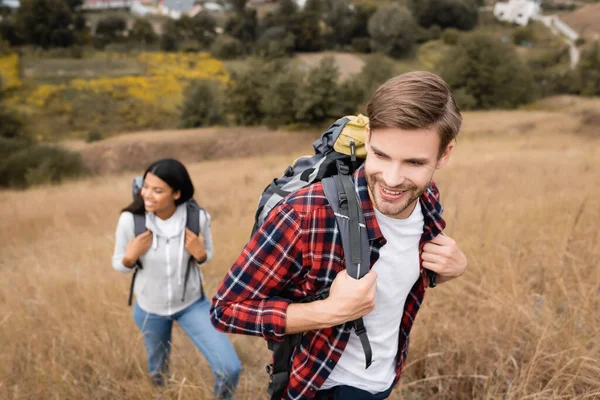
521,196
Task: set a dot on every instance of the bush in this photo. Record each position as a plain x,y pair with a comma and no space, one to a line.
142,32
30,164
488,71
450,36
361,44
201,30
434,32
587,75
393,30
5,48
275,42
318,97
11,124
94,135
278,104
377,69
227,47
245,90
11,146
109,30
459,14
203,105
523,34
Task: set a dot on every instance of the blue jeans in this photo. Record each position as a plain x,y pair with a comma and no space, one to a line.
195,322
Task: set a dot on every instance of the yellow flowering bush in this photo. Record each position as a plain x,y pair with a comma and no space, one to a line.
9,71
167,76
186,66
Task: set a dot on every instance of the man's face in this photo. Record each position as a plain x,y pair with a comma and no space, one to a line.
399,167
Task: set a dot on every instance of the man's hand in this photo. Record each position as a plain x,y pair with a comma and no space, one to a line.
351,298
443,256
195,245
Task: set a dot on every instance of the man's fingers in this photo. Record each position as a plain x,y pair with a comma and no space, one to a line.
369,279
432,266
433,258
442,250
442,240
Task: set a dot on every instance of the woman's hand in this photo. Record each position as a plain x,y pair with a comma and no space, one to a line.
195,245
136,247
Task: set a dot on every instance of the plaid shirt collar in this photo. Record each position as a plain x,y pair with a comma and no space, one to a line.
432,209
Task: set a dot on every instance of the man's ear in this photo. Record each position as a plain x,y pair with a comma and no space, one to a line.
443,160
368,137
176,195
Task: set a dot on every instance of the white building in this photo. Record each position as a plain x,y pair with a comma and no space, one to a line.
14,4
517,11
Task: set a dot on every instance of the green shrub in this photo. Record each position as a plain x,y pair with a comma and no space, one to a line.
393,30
523,34
489,72
94,135
587,74
361,44
11,124
450,36
318,96
31,164
459,14
275,42
278,103
227,47
203,105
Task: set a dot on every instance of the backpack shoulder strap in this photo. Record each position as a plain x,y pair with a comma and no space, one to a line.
139,227
193,216
339,190
340,193
193,224
139,224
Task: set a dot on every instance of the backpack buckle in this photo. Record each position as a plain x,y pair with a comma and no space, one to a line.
360,329
342,167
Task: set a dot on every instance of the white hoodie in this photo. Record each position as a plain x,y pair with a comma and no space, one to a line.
159,285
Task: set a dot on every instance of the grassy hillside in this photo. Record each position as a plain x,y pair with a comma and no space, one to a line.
520,196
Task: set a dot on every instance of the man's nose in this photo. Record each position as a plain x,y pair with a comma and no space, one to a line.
393,177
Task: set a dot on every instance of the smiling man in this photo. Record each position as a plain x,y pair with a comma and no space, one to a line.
413,123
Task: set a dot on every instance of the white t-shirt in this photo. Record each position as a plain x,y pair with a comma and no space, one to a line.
397,271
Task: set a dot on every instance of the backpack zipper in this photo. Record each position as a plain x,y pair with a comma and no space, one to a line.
352,150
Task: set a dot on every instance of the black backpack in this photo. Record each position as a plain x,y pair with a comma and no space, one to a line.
338,153
139,222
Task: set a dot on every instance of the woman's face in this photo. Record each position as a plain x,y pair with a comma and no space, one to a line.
158,195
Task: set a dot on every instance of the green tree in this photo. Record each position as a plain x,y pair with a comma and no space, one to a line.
587,75
243,23
278,103
459,14
143,32
11,124
318,98
110,30
47,23
275,42
226,47
192,32
484,72
203,105
393,30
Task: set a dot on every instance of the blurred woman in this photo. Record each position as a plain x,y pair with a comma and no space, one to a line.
167,288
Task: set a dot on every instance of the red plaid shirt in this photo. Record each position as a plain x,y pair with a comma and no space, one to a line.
296,252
